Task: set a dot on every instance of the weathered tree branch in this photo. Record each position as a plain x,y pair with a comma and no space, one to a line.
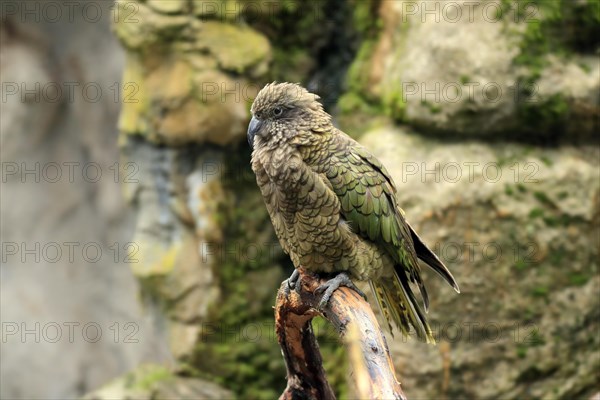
353,319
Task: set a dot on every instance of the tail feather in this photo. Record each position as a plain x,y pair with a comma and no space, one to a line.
398,304
429,257
424,294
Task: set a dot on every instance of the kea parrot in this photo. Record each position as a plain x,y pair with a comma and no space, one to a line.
333,206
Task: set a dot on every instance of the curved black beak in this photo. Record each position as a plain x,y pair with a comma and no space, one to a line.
253,128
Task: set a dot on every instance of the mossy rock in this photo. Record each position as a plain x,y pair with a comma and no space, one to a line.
236,48
139,27
169,6
156,382
515,77
517,225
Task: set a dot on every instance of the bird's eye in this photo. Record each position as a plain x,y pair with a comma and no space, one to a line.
277,111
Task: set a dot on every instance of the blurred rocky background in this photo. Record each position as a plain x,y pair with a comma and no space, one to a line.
485,112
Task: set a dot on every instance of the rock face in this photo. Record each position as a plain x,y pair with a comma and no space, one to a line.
178,84
151,381
433,94
71,319
505,219
483,69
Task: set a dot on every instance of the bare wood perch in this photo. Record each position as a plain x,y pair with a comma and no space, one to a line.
353,319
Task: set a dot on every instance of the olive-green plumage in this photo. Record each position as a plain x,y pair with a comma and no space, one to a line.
333,204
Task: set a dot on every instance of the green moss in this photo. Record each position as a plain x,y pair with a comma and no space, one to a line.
433,108
364,17
394,98
578,278
536,213
552,221
542,35
395,104
153,374
532,339
244,358
580,24
533,48
521,265
358,74
547,161
359,97
548,24
543,117
521,350
540,291
521,188
543,198
557,256
536,338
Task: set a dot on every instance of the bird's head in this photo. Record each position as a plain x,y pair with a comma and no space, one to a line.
285,110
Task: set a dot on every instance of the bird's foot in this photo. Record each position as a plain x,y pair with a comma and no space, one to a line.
327,288
293,283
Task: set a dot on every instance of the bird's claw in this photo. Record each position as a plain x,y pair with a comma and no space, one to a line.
293,283
341,279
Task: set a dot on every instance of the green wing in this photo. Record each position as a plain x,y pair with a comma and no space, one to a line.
368,202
